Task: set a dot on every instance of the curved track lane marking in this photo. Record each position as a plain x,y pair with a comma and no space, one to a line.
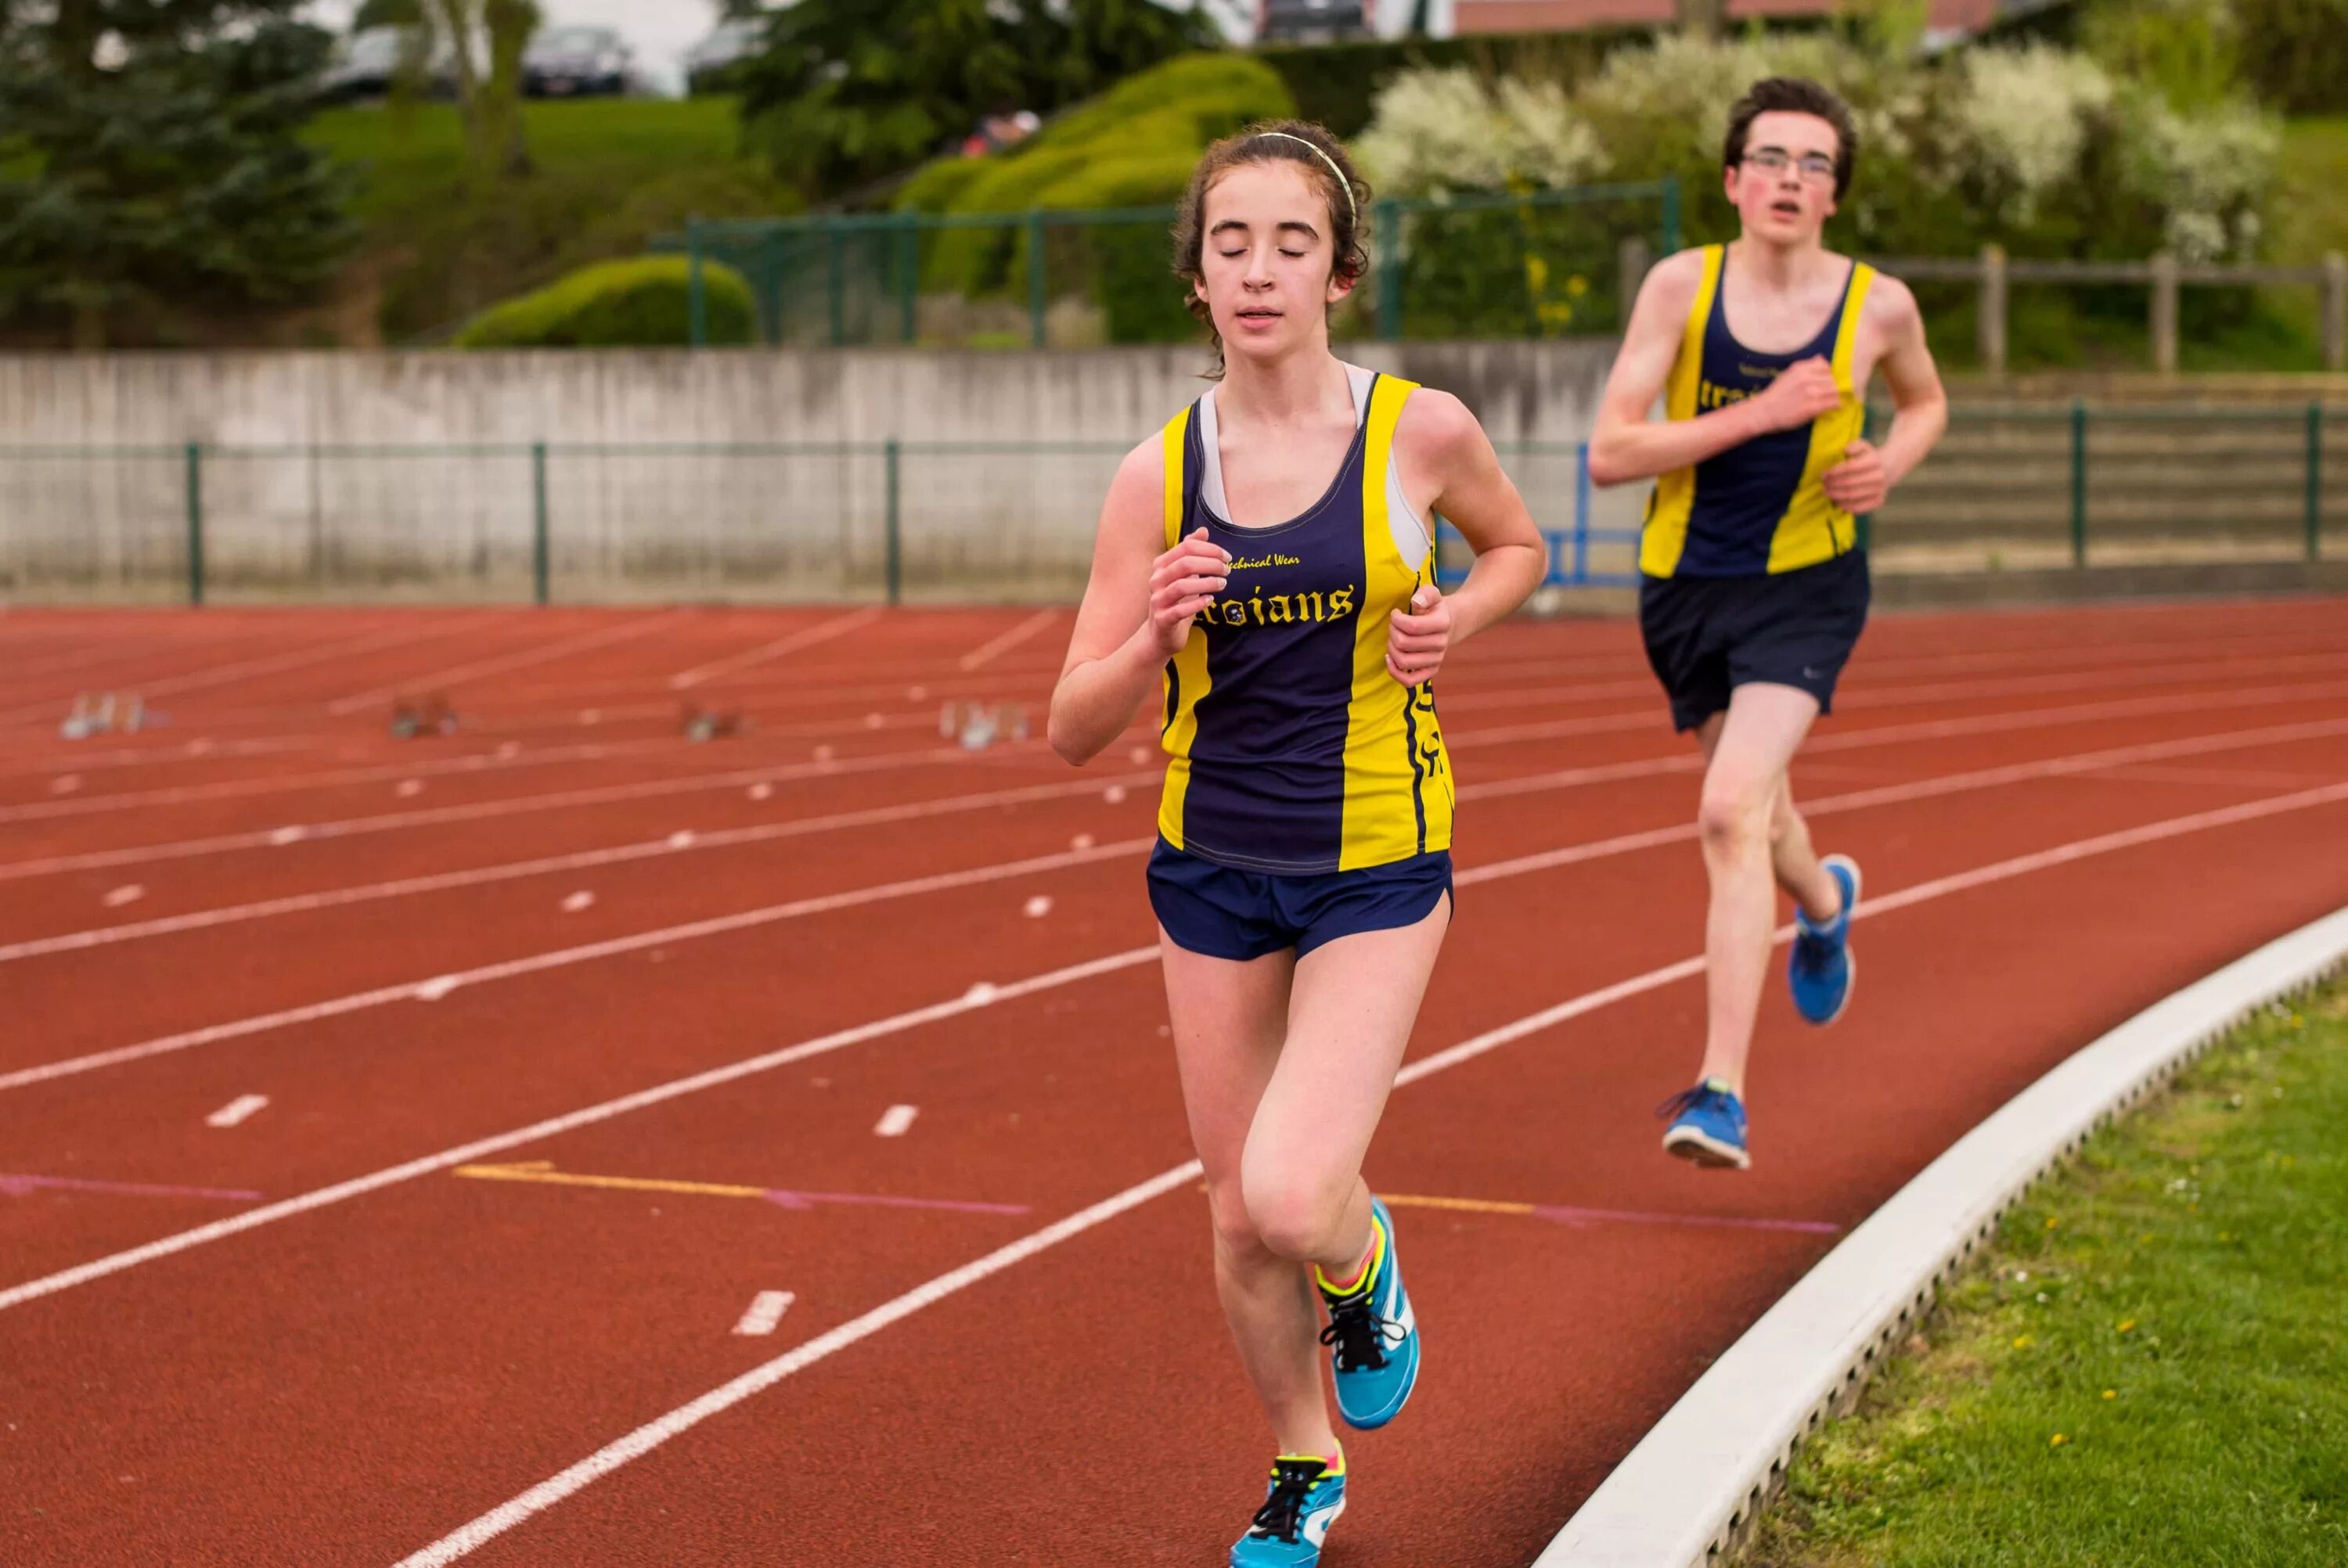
539,653
1677,761
984,996
435,988
806,637
487,1526
295,903
439,987
986,652
389,822
721,838
275,663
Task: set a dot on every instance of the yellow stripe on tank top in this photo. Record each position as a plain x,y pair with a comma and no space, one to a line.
1814,529
1672,502
1185,680
1382,803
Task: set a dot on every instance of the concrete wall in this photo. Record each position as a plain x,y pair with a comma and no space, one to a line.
300,496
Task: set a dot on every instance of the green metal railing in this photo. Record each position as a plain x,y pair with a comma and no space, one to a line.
1537,262
843,519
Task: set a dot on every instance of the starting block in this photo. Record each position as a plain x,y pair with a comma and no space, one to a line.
978,725
430,716
702,725
110,711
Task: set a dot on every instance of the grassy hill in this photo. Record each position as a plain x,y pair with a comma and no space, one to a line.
609,174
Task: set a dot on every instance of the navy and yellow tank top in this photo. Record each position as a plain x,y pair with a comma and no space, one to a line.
1762,507
1291,750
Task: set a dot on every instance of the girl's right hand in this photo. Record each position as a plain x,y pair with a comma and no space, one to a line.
1183,582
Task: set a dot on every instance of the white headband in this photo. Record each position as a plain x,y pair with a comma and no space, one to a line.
1343,184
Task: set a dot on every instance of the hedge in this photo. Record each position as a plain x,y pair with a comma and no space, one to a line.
645,302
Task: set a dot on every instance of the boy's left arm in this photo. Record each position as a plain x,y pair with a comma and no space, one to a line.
1920,407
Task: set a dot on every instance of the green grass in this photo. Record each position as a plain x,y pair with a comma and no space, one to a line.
609,174
2148,1369
2310,213
413,156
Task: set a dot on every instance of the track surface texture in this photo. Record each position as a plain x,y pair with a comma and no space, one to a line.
402,1142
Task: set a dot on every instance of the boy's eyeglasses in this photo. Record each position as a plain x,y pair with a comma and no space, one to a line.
1816,167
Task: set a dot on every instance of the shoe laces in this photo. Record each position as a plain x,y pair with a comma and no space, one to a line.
1359,1336
1702,1097
1283,1513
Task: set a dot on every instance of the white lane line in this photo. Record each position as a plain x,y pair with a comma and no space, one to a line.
1690,761
146,756
303,903
989,995
196,680
515,806
236,1109
1979,724
895,1121
806,637
538,1132
767,1309
601,637
652,1434
754,778
1921,789
1874,693
280,783
984,653
439,987
646,1438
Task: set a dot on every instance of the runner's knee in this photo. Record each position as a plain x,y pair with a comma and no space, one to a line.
1733,814
1236,1236
1294,1211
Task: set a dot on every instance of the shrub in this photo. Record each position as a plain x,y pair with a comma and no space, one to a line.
1337,84
645,302
2037,149
1134,145
2295,52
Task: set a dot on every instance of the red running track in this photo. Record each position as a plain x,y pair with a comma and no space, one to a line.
575,1041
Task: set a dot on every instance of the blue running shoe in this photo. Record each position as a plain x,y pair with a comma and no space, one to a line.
1707,1126
1373,1334
1288,1532
1821,969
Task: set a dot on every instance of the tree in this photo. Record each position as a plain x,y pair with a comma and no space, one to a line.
491,104
153,155
1701,18
850,91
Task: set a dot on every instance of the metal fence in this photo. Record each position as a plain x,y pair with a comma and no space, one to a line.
1543,264
946,521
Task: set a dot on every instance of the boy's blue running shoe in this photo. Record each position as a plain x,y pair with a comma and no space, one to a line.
1373,1334
1306,1500
1707,1126
1821,969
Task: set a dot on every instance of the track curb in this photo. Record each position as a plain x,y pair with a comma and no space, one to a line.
1687,1493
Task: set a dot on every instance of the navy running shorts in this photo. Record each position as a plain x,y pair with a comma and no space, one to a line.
1706,636
1222,912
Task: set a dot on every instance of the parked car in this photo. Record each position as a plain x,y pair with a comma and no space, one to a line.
706,63
367,65
1312,21
577,62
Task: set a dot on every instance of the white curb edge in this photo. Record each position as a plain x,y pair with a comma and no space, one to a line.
1689,1490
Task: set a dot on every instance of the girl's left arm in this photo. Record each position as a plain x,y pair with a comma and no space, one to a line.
1444,449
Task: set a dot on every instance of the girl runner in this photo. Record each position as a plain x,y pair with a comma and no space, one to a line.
1266,567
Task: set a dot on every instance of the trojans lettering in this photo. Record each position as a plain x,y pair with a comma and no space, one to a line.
1281,609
